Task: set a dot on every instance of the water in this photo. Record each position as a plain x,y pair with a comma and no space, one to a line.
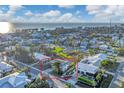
55,25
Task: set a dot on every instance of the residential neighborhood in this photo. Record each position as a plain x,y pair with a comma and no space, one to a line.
80,57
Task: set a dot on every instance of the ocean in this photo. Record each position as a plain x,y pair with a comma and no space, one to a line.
48,26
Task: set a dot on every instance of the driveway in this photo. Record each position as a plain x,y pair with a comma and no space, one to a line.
119,75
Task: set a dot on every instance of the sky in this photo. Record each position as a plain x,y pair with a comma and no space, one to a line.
62,13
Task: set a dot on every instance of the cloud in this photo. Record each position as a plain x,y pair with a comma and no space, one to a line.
19,19
105,13
66,6
14,8
28,13
1,12
93,9
66,17
52,16
9,14
52,13
78,12
4,17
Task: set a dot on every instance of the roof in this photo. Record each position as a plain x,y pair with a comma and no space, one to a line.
59,60
14,80
103,46
40,56
95,60
87,68
63,63
17,79
4,67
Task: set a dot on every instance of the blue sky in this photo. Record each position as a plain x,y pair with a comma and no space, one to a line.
61,13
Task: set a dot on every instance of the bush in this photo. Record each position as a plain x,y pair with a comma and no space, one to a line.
87,81
120,51
99,76
68,85
105,62
38,83
122,85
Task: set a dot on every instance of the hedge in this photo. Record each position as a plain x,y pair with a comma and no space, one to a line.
84,79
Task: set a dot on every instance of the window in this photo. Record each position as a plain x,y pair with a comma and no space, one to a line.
78,71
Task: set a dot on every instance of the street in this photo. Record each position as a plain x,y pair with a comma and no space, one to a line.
119,75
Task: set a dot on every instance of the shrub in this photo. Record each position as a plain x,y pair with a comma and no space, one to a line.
87,81
120,51
105,62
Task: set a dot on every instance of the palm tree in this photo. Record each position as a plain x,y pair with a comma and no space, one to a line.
56,68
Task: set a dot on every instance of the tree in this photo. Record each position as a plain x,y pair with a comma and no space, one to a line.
91,52
105,62
58,49
120,51
23,55
56,68
32,48
122,85
69,85
99,76
38,83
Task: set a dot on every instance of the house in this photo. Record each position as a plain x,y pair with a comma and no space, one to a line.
36,35
84,45
93,41
63,64
4,67
27,48
35,41
17,39
41,57
103,47
122,42
10,48
95,60
87,69
16,80
115,38
1,75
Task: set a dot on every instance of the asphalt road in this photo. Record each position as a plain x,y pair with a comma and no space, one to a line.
119,75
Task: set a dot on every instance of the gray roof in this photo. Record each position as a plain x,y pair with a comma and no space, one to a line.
87,68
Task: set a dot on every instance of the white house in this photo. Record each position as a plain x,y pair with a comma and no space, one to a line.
122,42
90,66
4,67
95,60
1,75
10,48
84,69
16,80
93,41
41,57
103,47
115,38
